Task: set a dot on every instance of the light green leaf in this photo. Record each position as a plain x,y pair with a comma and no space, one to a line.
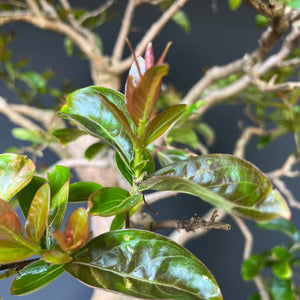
34,80
183,135
112,201
38,214
281,289
182,20
34,277
67,135
16,171
225,181
56,257
234,4
252,266
143,264
27,135
169,156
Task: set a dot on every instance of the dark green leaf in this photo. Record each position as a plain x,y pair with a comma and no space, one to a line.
34,277
16,171
93,150
162,122
142,94
281,289
26,195
81,191
38,214
183,135
225,181
123,168
182,20
101,112
67,135
143,264
252,266
282,225
281,253
112,201
169,156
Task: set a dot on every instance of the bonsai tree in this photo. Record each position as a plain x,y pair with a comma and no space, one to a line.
117,133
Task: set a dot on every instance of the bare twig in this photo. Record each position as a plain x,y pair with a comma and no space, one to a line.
124,31
244,139
247,235
96,12
286,169
262,290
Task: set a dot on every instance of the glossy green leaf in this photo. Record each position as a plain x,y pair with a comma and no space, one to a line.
281,253
27,135
111,201
182,20
93,150
12,251
124,168
282,269
283,226
34,277
142,94
143,264
9,219
225,181
16,171
281,289
26,195
56,257
101,112
252,266
162,122
169,156
38,214
183,135
81,191
67,135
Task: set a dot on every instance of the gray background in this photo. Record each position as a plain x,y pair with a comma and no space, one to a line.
216,38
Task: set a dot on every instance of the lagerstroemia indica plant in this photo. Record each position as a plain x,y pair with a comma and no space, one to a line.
131,261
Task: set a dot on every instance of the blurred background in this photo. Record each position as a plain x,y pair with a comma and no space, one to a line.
217,37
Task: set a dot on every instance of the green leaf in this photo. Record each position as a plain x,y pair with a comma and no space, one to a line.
142,94
283,226
169,156
162,122
56,257
234,4
281,289
146,164
34,80
282,269
81,191
124,168
11,251
262,21
59,181
225,181
34,277
16,171
143,264
101,112
27,135
207,132
93,150
111,201
182,20
252,266
67,135
183,135
38,214
281,253
26,195
69,46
